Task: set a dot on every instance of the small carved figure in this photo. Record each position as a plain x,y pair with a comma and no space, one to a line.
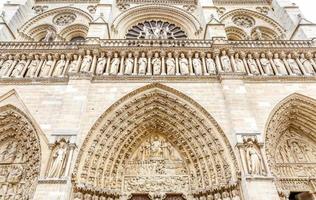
293,65
257,35
252,65
47,66
129,64
50,35
307,65
184,64
217,196
142,64
235,195
197,64
225,62
210,64
60,65
225,196
240,67
254,160
171,64
115,64
6,66
58,161
156,62
101,64
266,65
74,64
14,178
18,69
86,63
279,64
32,68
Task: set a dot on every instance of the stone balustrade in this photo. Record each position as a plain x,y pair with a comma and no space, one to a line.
158,58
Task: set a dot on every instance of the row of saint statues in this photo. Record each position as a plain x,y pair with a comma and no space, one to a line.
172,64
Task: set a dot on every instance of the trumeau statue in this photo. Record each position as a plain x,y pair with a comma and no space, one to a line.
156,62
48,64
252,65
210,64
225,62
293,65
101,64
33,67
60,65
115,64
6,66
279,64
307,65
74,63
142,64
254,160
266,65
197,64
129,64
18,69
183,64
240,67
171,64
86,62
58,160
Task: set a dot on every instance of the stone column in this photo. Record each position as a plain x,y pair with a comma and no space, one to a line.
122,65
243,57
257,57
136,54
190,63
94,61
149,70
68,58
56,57
163,63
218,61
204,64
176,56
231,54
283,57
270,56
108,63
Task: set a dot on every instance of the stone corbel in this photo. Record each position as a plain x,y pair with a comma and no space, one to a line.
283,57
231,54
94,61
243,57
149,69
270,57
189,54
176,56
163,64
122,65
136,55
257,58
108,63
203,54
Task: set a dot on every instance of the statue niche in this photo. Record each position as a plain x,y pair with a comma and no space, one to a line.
156,166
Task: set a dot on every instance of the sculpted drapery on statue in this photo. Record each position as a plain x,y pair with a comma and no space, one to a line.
58,160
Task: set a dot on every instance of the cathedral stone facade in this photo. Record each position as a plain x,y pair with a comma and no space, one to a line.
157,100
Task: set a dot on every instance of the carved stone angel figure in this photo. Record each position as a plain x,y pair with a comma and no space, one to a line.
32,68
293,65
184,65
266,65
279,64
6,66
73,65
254,160
47,66
252,65
101,64
142,64
115,64
58,161
240,67
156,62
307,65
86,63
18,69
171,64
129,64
197,64
210,64
225,62
58,71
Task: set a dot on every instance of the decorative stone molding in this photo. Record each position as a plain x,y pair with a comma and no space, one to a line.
64,19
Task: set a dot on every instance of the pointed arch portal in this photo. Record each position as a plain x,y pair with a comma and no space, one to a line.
155,139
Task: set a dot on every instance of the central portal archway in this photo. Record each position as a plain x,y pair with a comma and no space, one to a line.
156,141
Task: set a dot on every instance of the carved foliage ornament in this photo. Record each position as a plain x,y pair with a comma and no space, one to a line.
64,19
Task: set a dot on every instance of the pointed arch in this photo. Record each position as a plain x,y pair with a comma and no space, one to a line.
111,143
290,143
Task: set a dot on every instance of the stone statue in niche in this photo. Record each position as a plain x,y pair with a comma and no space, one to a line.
184,64
156,62
257,34
101,64
279,64
254,160
86,62
197,64
60,65
171,64
142,64
225,62
58,160
129,64
50,35
293,65
266,65
32,68
115,64
6,66
235,195
74,63
18,69
252,65
210,64
48,64
307,65
239,63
